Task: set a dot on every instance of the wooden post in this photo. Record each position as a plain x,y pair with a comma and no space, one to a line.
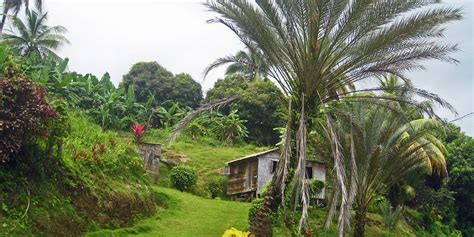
150,153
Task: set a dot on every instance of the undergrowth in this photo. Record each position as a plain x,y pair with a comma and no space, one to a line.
91,179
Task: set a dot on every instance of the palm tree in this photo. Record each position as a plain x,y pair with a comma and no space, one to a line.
244,62
315,48
15,6
33,36
380,148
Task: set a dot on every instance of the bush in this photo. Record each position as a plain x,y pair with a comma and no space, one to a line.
391,216
183,177
25,113
256,204
379,201
217,186
316,187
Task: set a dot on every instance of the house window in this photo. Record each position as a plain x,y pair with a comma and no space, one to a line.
274,166
309,172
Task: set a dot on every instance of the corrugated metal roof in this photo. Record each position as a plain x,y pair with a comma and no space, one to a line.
253,155
265,152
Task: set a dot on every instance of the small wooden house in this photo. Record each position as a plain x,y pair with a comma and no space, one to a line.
249,175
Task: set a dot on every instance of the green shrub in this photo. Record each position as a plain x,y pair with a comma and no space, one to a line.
183,177
217,186
256,204
25,113
316,187
390,216
377,203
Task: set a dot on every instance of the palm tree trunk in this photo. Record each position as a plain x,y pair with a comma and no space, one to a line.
262,224
360,221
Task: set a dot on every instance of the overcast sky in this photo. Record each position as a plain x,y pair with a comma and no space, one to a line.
112,35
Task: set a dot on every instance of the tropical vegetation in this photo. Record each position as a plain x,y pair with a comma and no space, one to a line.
72,144
316,51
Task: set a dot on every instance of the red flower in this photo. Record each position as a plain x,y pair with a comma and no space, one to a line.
138,132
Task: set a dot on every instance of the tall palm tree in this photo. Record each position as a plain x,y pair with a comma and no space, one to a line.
380,147
314,48
34,36
15,6
244,62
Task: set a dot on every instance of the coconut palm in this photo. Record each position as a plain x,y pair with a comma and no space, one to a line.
15,7
34,36
315,48
244,62
380,147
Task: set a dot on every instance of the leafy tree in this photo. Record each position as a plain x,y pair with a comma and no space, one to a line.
261,106
374,139
15,6
461,177
150,78
184,90
34,36
316,50
246,63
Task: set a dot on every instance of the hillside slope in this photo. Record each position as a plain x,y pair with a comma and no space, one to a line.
187,215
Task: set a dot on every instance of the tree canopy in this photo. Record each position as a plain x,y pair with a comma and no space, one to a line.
151,79
34,36
261,106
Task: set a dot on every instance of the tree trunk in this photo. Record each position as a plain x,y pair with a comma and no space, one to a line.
262,224
360,221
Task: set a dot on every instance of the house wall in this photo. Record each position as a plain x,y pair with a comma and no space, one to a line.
265,168
319,173
242,176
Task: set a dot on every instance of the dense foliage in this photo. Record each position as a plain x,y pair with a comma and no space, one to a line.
24,113
228,128
461,177
150,79
316,51
69,173
261,106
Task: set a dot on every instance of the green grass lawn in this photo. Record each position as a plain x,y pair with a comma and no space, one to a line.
206,155
187,215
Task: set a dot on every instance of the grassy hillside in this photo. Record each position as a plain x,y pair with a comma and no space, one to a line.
187,215
206,155
93,179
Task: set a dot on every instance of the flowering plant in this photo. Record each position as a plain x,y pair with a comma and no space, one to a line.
138,132
233,232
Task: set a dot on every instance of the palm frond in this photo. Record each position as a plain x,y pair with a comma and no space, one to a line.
191,115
